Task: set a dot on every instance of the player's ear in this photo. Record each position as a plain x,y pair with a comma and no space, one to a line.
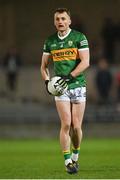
69,21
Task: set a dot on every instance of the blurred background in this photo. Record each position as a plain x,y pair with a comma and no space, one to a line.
26,110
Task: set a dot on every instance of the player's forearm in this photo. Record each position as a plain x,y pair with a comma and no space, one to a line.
83,65
84,57
44,67
45,73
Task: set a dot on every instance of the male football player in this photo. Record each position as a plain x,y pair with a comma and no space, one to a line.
70,54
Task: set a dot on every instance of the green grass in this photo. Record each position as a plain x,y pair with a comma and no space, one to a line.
42,159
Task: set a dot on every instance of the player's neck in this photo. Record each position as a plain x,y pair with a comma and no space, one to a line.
64,34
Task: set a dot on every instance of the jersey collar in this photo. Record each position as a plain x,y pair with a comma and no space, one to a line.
62,37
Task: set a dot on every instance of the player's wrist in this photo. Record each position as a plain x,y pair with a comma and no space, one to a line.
46,84
67,77
71,76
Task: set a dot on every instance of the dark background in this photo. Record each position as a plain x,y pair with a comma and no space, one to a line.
29,110
26,24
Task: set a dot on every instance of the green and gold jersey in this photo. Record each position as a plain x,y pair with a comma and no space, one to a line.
64,54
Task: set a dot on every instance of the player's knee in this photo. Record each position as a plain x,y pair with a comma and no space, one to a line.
76,124
77,130
66,127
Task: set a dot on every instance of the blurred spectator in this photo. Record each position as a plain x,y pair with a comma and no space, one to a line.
117,31
117,42
118,86
12,63
109,37
96,51
103,81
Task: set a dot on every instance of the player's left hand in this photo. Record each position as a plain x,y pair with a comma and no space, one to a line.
67,78
61,84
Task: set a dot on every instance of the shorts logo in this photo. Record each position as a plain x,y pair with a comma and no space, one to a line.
84,94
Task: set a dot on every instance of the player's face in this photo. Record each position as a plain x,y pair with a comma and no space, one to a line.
62,21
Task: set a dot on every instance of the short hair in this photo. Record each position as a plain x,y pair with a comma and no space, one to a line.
61,10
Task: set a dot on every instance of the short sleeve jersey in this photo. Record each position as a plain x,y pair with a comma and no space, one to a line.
65,56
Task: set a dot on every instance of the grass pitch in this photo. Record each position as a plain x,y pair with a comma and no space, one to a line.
42,159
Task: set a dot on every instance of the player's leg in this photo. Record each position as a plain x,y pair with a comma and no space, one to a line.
64,111
76,135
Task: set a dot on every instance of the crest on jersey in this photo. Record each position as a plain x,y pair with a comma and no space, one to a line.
70,43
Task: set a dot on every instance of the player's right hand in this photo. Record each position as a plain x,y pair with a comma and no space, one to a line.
46,85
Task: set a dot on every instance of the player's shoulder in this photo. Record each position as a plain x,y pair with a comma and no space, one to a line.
78,33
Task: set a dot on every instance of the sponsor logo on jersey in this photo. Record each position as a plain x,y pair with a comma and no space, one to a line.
65,54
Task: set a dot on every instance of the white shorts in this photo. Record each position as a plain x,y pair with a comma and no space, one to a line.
76,95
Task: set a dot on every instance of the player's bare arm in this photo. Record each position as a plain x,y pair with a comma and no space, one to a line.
44,67
84,64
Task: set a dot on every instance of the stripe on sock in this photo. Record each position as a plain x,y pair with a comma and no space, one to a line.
76,150
66,154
